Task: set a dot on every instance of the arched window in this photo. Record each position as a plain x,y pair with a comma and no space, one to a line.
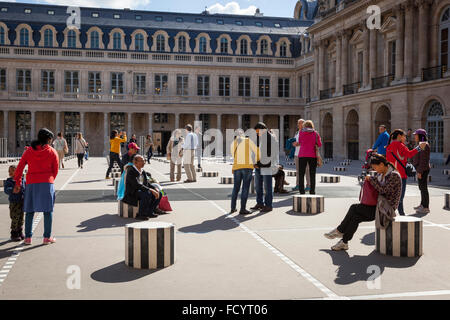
182,44
71,39
95,40
2,36
435,127
160,43
139,42
224,45
24,37
283,50
264,47
48,38
117,41
244,47
202,45
444,39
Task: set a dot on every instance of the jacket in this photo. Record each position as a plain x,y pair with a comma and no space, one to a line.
173,149
421,161
9,186
308,138
290,148
402,153
59,144
266,145
80,146
42,165
245,154
115,144
381,143
133,185
390,187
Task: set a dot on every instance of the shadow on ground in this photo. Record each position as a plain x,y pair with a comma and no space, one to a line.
104,221
120,272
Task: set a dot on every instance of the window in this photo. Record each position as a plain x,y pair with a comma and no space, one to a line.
51,12
202,45
71,82
23,80
94,82
116,82
138,17
205,119
264,87
161,84
239,23
203,85
24,40
48,38
435,127
71,39
95,40
2,79
283,87
2,36
117,121
139,42
264,47
244,87
301,87
47,81
283,50
224,86
23,129
27,11
159,18
392,48
220,21
182,85
444,55
161,118
117,41
179,19
182,44
140,83
223,45
116,16
246,122
4,9
258,24
95,15
198,20
160,43
244,47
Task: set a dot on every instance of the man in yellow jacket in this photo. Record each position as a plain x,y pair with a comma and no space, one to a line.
245,154
114,153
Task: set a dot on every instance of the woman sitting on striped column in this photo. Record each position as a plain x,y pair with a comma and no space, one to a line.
388,183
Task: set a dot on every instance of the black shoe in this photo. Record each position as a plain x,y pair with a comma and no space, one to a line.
244,212
158,211
266,209
141,218
233,211
153,216
257,207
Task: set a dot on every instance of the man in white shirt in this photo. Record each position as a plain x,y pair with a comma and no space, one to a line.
189,146
297,150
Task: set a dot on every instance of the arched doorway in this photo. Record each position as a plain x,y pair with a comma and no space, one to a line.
435,129
352,133
23,130
327,135
71,127
444,37
383,116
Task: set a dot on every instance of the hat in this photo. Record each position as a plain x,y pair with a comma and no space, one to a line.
421,132
133,145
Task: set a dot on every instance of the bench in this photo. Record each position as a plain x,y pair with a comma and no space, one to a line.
311,204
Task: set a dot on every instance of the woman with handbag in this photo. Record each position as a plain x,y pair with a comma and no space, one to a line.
398,154
310,142
80,149
60,145
386,183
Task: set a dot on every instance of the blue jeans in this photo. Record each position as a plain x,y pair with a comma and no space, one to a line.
244,176
48,217
267,181
401,211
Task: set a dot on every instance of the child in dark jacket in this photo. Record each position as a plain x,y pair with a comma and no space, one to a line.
15,205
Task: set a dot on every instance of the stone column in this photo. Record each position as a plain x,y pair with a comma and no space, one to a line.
344,59
150,123
409,38
219,122
373,54
261,118
82,122
399,44
281,138
58,122
33,125
5,124
177,120
239,121
321,67
302,41
315,83
423,31
197,117
105,134
129,125
366,39
338,63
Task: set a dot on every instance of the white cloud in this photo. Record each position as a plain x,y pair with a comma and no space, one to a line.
116,4
232,8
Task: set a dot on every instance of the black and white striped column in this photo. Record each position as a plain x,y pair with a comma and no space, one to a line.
345,163
198,169
330,179
210,174
446,172
127,211
149,245
116,186
447,201
402,238
372,173
308,204
291,173
226,180
340,169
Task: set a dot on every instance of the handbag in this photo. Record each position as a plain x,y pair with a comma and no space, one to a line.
66,148
368,195
164,204
318,156
409,168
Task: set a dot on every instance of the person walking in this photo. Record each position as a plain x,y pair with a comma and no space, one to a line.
80,149
189,147
42,161
244,151
300,123
175,154
60,145
308,139
398,154
198,150
421,161
148,147
114,152
382,141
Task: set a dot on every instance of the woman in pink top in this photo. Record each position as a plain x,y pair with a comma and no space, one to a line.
308,138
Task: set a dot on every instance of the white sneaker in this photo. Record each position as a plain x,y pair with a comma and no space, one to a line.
418,207
333,234
340,246
423,210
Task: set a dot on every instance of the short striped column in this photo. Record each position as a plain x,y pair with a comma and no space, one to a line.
348,160
2,183
115,175
291,173
210,174
345,163
149,245
402,238
198,169
340,169
446,172
372,173
226,180
116,186
127,211
447,201
330,179
308,203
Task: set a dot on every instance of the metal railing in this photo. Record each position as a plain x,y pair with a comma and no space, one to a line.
382,82
352,88
433,73
327,94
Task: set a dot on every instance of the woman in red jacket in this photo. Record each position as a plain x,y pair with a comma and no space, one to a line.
398,154
42,161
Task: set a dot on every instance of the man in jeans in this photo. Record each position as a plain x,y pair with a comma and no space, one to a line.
243,151
189,146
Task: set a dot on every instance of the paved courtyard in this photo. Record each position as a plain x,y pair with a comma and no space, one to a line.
277,255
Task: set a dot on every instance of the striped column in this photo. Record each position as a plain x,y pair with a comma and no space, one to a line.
447,201
226,180
308,204
116,185
291,173
345,163
210,174
340,169
198,169
446,172
127,211
149,245
330,179
402,238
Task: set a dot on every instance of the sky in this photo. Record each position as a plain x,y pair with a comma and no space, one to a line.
271,8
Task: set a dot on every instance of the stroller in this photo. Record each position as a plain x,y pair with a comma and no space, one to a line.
365,166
